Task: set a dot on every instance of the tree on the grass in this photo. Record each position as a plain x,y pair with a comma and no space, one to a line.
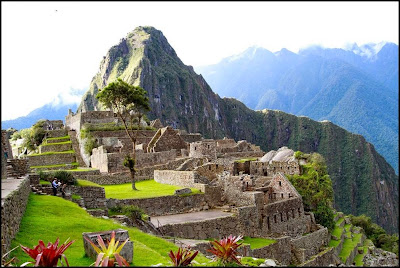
130,103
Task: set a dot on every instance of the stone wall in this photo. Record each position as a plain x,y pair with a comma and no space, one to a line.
51,159
322,259
75,147
209,170
55,147
93,197
312,242
191,137
270,169
182,178
169,140
164,205
213,228
20,167
148,172
203,148
279,251
5,145
113,162
12,210
286,216
56,133
107,179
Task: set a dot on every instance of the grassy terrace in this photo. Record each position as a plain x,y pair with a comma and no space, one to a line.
58,138
58,165
348,245
257,242
56,143
359,257
49,217
50,153
146,189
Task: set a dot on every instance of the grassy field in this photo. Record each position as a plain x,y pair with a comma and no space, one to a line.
146,189
256,242
49,217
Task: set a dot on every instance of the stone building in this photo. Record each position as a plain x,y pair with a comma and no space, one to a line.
203,148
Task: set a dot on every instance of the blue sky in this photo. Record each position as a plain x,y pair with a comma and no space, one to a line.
52,48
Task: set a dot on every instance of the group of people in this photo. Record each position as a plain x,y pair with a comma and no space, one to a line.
56,184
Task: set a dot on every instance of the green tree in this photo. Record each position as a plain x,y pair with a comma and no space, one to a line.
130,103
315,186
33,136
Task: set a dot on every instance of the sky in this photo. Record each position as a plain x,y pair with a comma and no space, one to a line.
50,51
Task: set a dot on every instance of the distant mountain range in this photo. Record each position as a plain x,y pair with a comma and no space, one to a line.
363,182
356,88
47,111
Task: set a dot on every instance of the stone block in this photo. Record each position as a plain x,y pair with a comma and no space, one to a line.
120,235
183,191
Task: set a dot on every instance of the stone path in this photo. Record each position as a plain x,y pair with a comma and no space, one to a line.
189,217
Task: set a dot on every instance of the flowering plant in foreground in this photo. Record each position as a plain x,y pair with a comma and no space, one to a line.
183,257
226,249
108,256
47,256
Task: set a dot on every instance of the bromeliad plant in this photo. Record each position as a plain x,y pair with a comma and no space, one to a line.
108,256
226,250
47,256
183,257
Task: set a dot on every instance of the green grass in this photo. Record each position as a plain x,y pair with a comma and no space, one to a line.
56,143
337,231
76,197
249,261
43,182
339,222
50,153
84,183
358,259
348,246
347,227
146,189
246,159
49,217
334,243
257,242
59,138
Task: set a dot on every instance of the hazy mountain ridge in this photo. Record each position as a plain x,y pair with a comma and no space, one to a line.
47,111
322,84
183,99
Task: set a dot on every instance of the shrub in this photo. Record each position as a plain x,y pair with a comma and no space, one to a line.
46,176
226,250
65,177
134,213
47,256
183,257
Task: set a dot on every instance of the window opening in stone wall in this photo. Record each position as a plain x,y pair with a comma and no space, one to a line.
280,183
298,210
268,223
281,217
275,218
293,213
287,215
282,196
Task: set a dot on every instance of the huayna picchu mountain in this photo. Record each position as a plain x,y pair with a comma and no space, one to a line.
364,183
